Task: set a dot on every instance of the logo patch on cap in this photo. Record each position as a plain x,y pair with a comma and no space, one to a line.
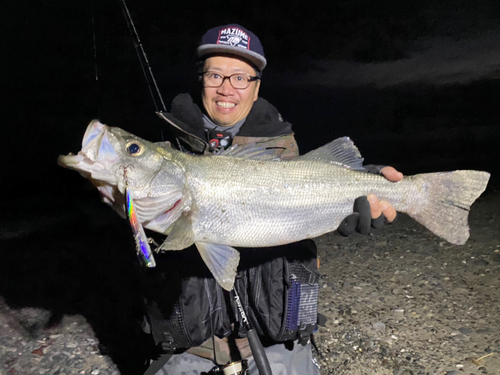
235,37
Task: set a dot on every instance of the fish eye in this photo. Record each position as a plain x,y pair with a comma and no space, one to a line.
135,148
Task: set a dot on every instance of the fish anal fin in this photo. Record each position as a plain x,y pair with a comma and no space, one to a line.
222,261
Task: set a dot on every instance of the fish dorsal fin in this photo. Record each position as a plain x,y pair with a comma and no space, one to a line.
250,151
341,151
222,261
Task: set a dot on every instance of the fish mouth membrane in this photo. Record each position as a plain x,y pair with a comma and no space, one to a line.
88,168
97,158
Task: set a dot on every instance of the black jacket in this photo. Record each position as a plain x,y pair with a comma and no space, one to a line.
186,123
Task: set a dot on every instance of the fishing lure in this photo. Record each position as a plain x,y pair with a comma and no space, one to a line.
141,241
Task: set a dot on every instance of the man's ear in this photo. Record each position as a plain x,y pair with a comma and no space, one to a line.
256,92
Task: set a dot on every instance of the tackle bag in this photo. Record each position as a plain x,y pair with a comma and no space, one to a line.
278,287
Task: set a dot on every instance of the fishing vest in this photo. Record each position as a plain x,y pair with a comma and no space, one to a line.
278,287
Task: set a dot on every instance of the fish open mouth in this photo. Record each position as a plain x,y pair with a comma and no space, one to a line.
93,161
107,160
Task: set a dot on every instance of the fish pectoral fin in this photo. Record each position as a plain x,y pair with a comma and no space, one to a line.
341,151
222,261
180,237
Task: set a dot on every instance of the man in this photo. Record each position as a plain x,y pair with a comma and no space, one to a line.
231,60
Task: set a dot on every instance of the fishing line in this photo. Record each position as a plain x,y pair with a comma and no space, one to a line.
95,62
95,44
143,59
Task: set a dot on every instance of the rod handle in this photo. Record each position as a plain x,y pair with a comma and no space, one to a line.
259,355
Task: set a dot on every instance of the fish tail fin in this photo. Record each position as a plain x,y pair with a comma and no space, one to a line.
449,196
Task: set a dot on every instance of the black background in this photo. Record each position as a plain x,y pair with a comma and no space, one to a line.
415,84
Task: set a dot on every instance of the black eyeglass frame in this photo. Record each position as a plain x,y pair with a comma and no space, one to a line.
224,77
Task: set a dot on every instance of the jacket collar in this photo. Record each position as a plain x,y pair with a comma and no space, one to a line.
263,120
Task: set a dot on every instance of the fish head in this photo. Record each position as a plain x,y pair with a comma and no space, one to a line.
116,161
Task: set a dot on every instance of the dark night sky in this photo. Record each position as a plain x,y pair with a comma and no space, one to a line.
414,83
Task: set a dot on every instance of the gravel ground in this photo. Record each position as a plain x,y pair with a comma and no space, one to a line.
27,347
406,302
400,301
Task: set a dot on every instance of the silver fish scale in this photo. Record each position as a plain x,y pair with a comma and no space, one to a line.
236,201
241,202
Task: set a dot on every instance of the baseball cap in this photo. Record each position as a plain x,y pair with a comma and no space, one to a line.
235,40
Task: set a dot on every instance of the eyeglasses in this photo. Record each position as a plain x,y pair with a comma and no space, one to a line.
239,81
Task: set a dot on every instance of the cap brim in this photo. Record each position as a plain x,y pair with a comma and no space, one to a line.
208,49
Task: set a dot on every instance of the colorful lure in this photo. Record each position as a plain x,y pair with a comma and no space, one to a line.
141,241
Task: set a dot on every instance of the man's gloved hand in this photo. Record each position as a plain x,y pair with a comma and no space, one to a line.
368,211
361,219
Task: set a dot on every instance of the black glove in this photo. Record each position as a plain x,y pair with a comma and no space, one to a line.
361,220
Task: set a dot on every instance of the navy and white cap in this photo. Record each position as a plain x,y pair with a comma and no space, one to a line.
235,40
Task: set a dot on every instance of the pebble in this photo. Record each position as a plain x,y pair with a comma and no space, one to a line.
481,262
482,331
466,331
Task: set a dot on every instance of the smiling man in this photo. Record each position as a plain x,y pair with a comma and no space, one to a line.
231,60
231,86
191,316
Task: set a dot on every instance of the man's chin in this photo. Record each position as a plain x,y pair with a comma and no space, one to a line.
224,122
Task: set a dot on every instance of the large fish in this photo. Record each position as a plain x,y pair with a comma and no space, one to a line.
240,199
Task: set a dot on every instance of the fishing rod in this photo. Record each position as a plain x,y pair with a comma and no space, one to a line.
143,59
259,355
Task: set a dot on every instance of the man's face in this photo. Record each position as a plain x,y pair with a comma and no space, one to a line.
226,105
